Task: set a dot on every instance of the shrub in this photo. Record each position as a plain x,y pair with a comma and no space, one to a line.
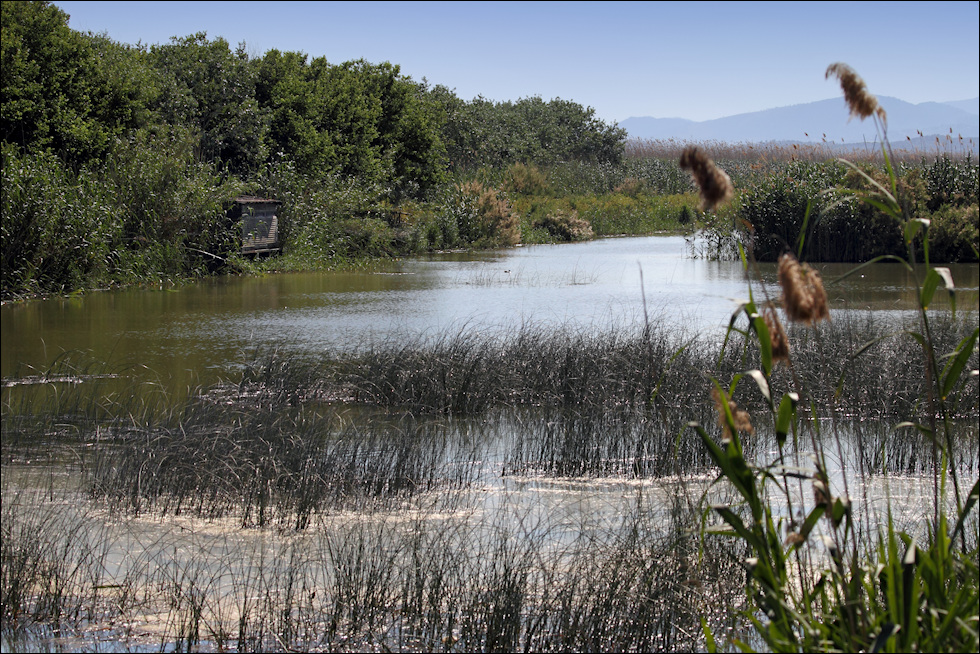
630,186
484,217
527,180
566,226
954,234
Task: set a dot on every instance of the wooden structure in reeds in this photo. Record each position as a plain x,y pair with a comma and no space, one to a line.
260,224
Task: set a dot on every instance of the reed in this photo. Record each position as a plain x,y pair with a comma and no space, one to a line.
835,572
517,578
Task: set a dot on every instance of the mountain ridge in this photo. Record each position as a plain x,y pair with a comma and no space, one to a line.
820,121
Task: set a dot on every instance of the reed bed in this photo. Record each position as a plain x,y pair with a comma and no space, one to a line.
776,151
378,500
423,580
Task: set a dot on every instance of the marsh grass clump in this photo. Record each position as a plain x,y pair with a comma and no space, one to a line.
514,578
265,467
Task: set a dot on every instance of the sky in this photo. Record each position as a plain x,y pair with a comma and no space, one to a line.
693,60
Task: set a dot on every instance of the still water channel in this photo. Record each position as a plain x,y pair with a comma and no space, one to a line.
196,333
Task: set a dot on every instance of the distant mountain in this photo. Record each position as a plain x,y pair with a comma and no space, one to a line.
825,120
971,106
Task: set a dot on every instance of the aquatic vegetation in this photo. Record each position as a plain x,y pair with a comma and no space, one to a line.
832,572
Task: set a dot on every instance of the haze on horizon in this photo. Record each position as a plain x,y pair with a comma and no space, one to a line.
691,60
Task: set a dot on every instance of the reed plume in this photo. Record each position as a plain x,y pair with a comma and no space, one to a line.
715,185
804,298
777,336
860,101
740,418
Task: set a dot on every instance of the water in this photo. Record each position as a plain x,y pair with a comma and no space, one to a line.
200,332
196,333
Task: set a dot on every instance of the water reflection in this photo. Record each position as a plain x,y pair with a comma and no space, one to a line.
193,334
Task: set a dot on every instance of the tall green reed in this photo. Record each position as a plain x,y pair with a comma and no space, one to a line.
829,573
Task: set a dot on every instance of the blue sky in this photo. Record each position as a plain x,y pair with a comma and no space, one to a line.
694,60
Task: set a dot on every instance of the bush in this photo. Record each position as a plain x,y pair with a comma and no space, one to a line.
566,226
484,218
527,180
954,234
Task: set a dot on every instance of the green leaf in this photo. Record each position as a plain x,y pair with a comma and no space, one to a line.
784,417
971,501
961,356
811,520
736,523
762,383
765,340
933,277
802,236
708,637
887,631
913,227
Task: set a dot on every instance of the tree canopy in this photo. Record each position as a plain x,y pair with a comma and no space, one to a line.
75,94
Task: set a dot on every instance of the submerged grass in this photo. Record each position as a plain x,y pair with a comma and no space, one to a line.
424,580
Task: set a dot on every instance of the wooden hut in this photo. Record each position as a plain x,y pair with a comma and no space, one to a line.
260,225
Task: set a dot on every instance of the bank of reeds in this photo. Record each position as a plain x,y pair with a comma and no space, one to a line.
525,578
293,437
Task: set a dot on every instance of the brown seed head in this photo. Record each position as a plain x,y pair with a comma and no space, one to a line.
821,496
716,186
804,298
777,336
860,101
794,538
741,419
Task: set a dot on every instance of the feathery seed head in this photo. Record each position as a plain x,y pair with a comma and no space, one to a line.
716,186
860,101
804,298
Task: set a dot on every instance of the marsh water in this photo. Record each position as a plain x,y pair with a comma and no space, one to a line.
198,334
195,333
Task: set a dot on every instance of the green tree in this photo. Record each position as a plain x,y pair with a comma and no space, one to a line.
64,91
212,89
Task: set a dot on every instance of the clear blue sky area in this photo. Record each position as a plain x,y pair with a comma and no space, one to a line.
694,60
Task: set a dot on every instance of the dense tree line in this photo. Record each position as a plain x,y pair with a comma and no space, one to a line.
147,144
74,93
119,163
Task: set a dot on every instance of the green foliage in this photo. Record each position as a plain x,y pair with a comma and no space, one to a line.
151,211
840,228
56,224
529,131
526,180
209,88
906,591
62,90
954,234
